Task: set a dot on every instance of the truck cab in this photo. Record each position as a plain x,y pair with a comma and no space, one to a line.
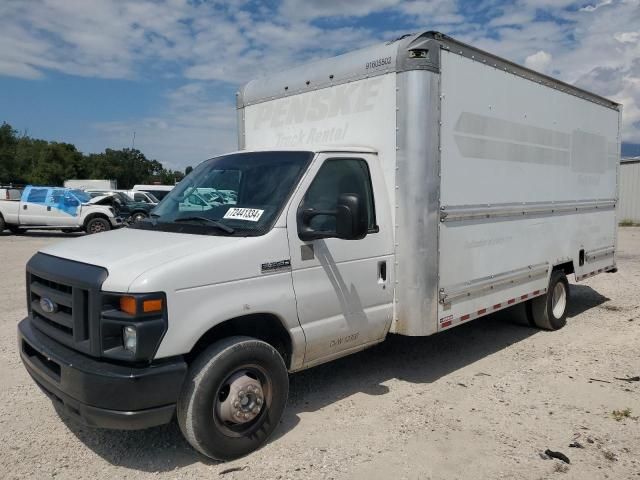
299,228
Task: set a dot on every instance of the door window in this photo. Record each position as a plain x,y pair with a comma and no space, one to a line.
37,195
335,177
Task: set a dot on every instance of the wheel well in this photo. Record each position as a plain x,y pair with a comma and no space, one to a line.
91,216
263,326
567,267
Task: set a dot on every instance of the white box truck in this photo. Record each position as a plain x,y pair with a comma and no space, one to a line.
86,184
449,184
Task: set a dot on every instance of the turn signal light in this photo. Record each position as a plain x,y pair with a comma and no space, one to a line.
128,305
149,306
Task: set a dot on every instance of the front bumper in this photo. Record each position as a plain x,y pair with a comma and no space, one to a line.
116,222
99,393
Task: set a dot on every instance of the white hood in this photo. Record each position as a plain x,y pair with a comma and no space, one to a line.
128,253
96,199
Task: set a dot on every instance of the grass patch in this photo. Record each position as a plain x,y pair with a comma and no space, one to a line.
627,223
619,415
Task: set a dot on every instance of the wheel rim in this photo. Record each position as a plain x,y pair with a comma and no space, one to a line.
138,217
97,227
559,300
242,400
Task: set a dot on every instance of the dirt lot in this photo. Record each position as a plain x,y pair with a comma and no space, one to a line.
481,401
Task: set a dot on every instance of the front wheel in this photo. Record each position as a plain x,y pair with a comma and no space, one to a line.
136,217
233,398
97,225
549,311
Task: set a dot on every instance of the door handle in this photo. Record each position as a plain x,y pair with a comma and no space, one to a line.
24,207
48,209
382,271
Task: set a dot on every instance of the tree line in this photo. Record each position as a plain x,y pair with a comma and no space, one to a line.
26,160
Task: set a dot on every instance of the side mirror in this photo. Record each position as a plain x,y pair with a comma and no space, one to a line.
352,218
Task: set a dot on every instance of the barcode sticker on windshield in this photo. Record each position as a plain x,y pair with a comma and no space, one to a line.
249,214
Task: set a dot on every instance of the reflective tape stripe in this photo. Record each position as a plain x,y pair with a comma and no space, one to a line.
448,321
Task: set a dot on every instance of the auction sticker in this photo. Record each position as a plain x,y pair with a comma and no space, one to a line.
249,214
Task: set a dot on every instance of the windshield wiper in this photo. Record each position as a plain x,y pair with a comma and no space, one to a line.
214,223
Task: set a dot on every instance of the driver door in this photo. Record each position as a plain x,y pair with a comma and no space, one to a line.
343,288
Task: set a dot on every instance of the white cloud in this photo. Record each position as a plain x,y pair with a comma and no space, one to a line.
305,9
207,44
538,61
593,8
627,37
191,128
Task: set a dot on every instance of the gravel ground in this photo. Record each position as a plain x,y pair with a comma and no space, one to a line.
484,400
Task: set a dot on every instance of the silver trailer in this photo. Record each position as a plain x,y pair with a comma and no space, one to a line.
497,175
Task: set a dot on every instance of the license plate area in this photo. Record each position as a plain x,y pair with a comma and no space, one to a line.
48,366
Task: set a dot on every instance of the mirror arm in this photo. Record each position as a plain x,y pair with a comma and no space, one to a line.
310,213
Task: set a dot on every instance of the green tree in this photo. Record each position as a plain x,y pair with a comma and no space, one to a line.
8,143
29,160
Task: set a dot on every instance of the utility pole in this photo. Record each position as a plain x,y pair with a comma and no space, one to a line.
133,141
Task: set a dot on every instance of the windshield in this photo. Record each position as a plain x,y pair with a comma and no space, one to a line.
81,195
240,194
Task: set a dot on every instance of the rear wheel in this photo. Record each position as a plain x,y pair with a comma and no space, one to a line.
549,311
2,224
138,216
233,397
97,225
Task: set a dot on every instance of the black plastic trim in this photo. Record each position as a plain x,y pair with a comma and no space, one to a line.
101,393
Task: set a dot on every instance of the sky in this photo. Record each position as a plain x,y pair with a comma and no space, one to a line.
93,72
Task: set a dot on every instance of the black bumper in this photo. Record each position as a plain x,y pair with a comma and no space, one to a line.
98,393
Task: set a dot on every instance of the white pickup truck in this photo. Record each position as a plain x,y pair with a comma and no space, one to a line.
452,184
52,208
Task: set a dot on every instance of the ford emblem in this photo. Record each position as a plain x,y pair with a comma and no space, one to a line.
48,305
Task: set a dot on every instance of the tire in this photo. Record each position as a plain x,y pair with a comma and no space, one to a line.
3,225
136,217
549,311
214,388
97,225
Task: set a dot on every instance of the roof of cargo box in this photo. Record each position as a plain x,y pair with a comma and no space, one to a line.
419,51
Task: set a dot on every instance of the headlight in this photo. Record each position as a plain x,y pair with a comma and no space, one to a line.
132,325
129,338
